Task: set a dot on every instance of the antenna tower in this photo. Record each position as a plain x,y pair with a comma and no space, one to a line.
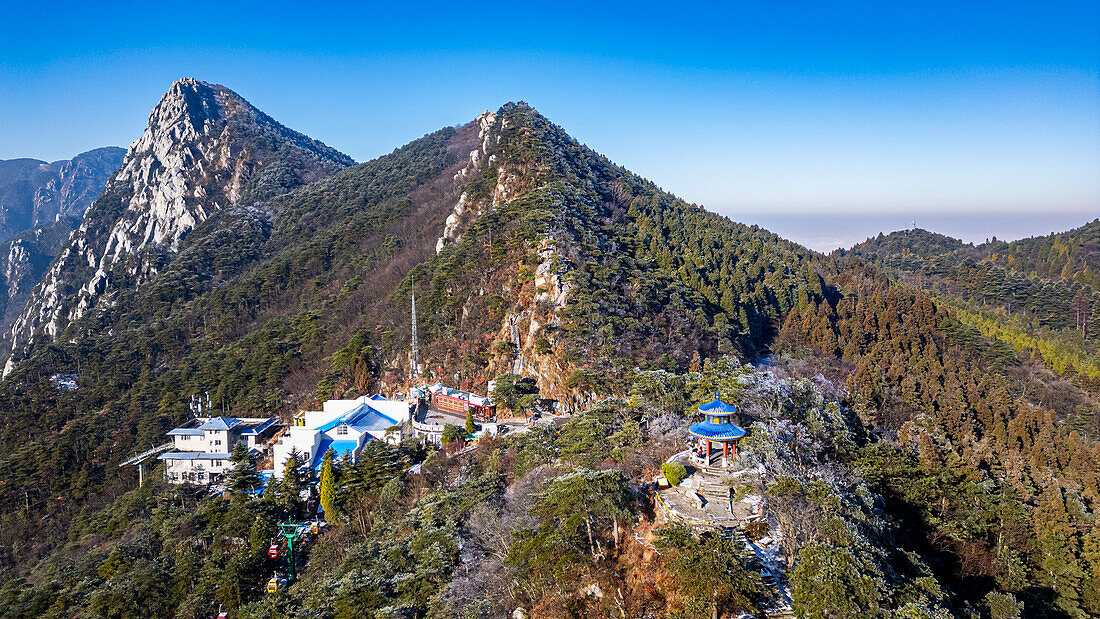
414,362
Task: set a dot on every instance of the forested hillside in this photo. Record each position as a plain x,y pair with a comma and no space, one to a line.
1011,292
913,465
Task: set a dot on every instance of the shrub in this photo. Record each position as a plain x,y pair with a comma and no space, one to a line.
674,472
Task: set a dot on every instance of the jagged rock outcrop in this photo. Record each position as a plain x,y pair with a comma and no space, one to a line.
23,260
205,149
35,193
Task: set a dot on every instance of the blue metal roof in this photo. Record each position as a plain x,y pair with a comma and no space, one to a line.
717,407
258,428
185,432
717,431
220,423
340,447
362,418
372,420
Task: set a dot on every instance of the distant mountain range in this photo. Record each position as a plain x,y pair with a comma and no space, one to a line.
35,193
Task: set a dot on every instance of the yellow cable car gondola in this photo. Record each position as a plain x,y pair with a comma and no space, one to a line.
273,585
314,528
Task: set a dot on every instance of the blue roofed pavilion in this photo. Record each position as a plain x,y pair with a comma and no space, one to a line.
718,427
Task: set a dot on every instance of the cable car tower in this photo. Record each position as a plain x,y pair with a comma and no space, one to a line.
290,533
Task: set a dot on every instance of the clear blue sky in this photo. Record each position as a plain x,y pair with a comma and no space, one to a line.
898,107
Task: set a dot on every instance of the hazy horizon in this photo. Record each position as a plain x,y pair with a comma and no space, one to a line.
826,231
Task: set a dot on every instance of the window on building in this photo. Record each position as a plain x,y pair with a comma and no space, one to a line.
341,429
217,441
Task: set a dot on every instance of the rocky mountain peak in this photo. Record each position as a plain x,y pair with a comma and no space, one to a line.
205,149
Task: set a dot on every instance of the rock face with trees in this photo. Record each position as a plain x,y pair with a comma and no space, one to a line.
40,205
915,462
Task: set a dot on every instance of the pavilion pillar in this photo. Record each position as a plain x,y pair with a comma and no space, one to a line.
708,453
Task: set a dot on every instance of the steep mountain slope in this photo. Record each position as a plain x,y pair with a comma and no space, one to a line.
40,204
25,258
34,193
612,271
205,149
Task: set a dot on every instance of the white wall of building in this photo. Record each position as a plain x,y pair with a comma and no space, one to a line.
307,439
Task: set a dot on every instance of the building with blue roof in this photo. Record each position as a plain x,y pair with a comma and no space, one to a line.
343,426
201,447
717,427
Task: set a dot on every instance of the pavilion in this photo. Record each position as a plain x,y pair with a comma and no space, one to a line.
718,428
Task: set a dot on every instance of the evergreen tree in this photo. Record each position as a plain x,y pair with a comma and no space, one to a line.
711,571
830,582
328,486
470,422
452,433
243,478
291,486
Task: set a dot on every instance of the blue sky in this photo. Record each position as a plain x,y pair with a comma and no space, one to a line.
903,108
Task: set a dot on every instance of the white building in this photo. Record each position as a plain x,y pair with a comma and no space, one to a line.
343,426
203,445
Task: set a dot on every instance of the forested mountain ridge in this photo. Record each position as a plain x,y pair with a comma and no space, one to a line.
1037,295
612,271
1072,256
205,149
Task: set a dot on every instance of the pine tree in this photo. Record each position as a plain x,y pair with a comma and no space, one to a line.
291,487
328,486
243,478
470,422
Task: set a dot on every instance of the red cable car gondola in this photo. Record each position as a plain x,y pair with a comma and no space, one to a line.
273,552
223,615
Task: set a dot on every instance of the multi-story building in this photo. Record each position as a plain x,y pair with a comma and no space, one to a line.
343,426
203,445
